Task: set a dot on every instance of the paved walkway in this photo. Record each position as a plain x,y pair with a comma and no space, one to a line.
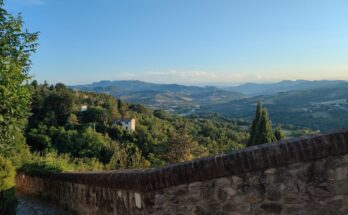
30,206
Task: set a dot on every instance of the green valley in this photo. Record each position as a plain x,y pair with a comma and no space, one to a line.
319,109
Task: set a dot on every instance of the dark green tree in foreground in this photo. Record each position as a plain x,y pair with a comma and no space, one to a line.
261,128
16,46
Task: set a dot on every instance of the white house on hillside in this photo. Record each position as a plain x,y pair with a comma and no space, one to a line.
83,108
128,124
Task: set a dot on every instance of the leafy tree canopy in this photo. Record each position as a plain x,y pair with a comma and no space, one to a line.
16,46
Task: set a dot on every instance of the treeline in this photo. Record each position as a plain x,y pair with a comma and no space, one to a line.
58,126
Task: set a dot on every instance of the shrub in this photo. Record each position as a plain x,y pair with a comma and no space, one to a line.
8,202
53,163
7,174
41,168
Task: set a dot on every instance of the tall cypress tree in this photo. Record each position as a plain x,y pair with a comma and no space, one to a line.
261,128
255,125
266,133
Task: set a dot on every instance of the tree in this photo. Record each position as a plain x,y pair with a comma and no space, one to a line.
73,120
161,114
261,128
61,104
96,115
111,105
122,108
127,156
266,133
255,125
181,147
86,143
16,46
279,135
39,139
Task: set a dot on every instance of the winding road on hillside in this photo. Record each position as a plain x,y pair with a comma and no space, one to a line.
31,206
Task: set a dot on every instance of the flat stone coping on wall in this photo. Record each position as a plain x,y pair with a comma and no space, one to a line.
254,158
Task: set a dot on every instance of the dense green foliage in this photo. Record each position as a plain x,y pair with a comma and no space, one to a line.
7,173
54,163
261,128
16,46
181,147
58,125
278,134
7,198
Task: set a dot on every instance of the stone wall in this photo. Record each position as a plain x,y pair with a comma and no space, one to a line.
79,198
308,175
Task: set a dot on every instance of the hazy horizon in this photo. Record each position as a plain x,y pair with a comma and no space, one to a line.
187,42
198,84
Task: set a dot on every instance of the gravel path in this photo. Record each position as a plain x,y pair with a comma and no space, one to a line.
31,206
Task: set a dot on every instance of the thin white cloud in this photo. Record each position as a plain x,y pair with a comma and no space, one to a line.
186,77
196,77
183,74
127,76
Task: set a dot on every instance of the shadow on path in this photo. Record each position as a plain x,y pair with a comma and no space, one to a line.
32,206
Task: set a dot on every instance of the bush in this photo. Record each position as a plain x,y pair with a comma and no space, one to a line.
41,168
7,174
8,202
53,163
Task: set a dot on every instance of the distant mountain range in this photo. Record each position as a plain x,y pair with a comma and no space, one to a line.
319,105
255,89
322,108
172,97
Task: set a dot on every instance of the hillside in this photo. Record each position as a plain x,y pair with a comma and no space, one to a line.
256,89
81,124
323,109
319,105
172,97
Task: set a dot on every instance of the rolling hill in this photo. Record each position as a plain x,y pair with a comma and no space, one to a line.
319,105
256,89
172,97
320,108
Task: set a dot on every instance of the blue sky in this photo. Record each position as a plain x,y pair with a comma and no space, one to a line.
187,41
